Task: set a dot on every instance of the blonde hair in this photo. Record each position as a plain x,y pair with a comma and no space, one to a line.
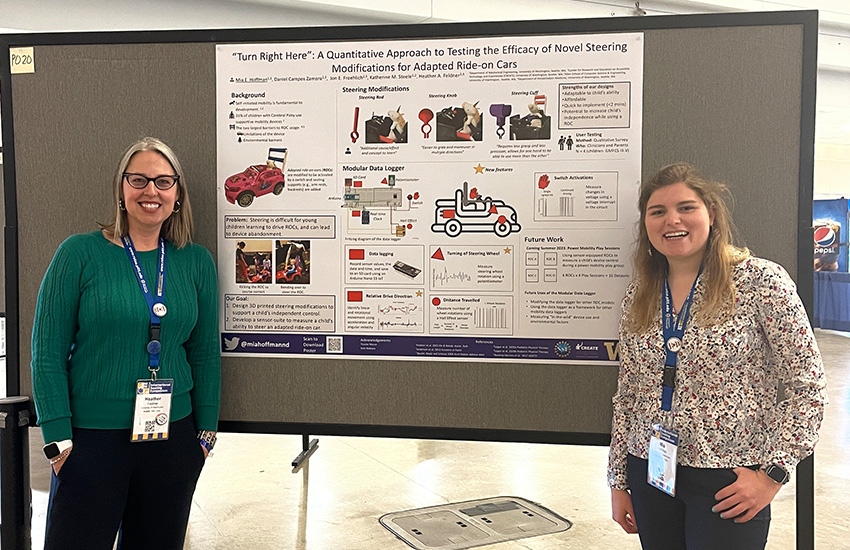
178,227
719,259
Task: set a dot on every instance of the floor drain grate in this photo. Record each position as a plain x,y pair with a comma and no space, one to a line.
460,525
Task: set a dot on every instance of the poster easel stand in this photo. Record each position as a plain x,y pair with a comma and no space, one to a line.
308,448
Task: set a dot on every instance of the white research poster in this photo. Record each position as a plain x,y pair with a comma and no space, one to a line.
450,198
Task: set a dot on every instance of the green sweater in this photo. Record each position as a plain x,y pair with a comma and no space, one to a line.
91,330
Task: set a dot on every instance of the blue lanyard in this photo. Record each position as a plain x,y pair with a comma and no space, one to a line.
673,332
155,299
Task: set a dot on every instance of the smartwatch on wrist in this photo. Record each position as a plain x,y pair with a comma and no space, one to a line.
56,448
777,473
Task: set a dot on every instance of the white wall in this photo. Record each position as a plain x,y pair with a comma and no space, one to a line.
832,135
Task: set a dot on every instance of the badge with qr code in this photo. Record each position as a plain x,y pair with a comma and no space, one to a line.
152,414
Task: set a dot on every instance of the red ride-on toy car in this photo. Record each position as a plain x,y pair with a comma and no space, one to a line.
257,180
289,275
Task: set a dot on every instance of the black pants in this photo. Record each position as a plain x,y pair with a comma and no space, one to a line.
686,520
107,483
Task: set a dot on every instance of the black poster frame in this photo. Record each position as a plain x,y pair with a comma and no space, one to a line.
806,20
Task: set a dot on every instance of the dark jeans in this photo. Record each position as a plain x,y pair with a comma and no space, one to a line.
686,522
107,483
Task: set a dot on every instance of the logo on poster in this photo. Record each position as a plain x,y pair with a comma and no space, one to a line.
563,349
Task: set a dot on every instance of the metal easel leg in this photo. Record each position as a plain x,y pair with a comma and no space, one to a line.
308,448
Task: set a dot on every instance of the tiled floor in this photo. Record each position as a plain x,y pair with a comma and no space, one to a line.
249,498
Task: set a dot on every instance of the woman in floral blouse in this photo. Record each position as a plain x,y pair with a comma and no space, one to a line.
700,444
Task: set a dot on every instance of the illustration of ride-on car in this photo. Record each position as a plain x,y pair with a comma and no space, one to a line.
470,212
257,180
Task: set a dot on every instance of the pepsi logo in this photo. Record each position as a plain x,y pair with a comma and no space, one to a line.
824,236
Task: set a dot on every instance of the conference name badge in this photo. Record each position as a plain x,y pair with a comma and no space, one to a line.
152,414
663,447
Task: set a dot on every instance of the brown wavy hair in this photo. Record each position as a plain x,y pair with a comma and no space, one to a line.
721,254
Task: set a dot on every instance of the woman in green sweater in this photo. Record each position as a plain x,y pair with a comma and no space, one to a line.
126,365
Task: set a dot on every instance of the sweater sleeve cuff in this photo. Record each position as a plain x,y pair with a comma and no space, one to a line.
618,479
206,418
56,430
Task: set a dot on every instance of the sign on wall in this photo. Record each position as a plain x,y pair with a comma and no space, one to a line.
830,234
440,199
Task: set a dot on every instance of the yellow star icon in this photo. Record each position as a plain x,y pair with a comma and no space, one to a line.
419,293
508,250
479,169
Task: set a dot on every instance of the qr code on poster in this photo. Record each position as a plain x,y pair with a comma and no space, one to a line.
334,344
150,425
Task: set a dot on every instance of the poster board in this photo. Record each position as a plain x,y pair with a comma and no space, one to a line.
439,199
711,83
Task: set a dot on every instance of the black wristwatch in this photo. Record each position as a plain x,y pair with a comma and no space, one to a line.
56,448
777,473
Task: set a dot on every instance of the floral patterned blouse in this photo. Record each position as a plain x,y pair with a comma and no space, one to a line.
725,398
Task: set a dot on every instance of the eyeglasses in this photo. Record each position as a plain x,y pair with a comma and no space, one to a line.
139,181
